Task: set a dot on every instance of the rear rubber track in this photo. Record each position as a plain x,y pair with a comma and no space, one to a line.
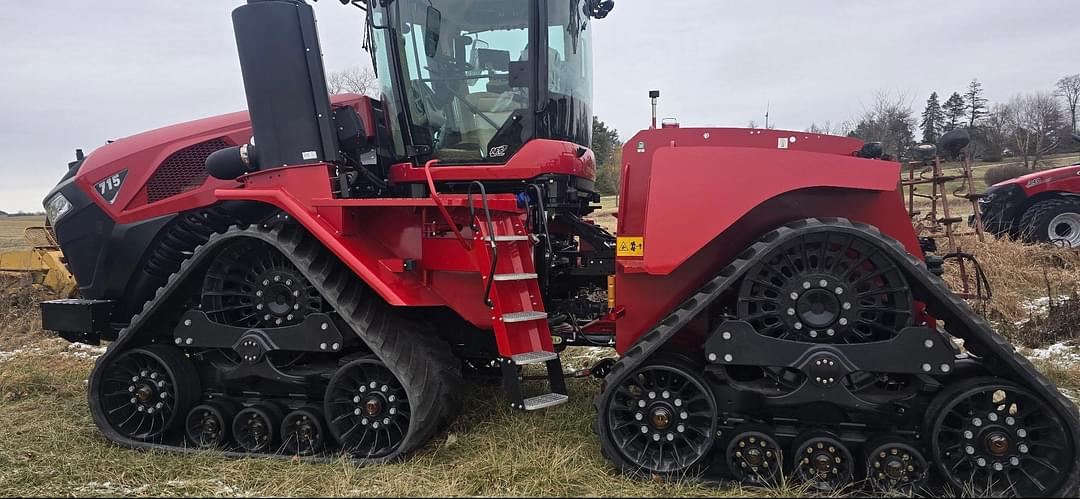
410,349
997,355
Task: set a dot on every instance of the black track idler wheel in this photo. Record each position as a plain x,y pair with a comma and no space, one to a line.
753,457
826,287
822,462
207,425
661,419
894,466
367,409
251,284
147,391
995,438
256,428
303,432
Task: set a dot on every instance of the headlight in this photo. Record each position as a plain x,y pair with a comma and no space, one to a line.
56,207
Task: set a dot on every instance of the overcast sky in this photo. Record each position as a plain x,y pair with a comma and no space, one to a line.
76,73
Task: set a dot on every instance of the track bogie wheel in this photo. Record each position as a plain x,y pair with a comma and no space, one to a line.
303,432
256,428
661,419
367,409
822,462
146,392
895,466
995,438
207,425
753,457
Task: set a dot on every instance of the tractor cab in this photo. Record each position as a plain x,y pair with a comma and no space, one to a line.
472,81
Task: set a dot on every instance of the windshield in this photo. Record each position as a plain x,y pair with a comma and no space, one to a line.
456,57
466,81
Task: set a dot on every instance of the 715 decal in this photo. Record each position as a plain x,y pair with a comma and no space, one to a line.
110,186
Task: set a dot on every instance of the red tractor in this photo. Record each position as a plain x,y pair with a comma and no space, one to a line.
318,277
1040,207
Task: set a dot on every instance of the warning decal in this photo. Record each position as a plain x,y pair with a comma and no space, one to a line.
630,246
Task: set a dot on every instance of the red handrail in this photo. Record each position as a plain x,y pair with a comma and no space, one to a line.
439,204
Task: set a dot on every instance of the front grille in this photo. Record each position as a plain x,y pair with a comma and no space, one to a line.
183,171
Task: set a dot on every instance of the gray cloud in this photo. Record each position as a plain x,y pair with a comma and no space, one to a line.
77,73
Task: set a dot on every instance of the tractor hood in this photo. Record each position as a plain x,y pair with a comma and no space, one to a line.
1043,177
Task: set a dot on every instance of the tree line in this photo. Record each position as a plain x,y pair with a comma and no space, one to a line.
1028,126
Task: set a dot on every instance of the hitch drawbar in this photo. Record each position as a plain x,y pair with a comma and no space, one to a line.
79,321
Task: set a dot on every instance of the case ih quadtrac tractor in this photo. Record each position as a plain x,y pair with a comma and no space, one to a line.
318,276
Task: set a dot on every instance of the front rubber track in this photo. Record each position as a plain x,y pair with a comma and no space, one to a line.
414,353
997,355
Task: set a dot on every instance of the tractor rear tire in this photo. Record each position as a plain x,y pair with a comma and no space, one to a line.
1055,221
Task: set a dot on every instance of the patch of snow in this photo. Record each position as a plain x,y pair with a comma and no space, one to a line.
1066,352
112,489
8,355
217,488
83,351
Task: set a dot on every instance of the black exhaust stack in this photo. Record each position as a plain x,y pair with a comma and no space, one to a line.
282,65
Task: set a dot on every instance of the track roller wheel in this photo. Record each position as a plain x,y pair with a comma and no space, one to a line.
146,392
894,466
754,457
661,419
995,438
303,432
367,409
823,462
255,428
207,425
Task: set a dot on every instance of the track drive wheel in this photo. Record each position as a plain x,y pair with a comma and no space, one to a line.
823,462
659,420
256,428
367,409
207,425
303,432
995,438
753,456
147,391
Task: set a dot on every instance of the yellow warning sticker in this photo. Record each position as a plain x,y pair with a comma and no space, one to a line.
631,246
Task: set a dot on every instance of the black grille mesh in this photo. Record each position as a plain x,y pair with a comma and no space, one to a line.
183,171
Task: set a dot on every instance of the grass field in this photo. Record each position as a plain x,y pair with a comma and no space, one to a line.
11,230
50,447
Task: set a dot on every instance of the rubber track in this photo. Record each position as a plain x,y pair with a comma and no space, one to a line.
996,352
414,353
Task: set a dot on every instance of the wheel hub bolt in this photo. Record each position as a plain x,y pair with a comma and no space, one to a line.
1023,448
980,462
976,422
968,434
794,296
998,467
1022,433
993,417
839,290
1014,461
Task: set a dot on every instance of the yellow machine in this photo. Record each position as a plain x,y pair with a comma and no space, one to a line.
43,264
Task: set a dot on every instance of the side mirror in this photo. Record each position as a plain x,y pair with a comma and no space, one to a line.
955,141
598,9
432,30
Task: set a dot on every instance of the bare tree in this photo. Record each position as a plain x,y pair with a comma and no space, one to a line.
752,125
825,128
354,80
888,120
1068,88
1031,122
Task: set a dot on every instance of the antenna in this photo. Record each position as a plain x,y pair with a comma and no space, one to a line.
768,104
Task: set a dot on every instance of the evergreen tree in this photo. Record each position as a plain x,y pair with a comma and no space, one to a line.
606,145
955,109
975,109
933,119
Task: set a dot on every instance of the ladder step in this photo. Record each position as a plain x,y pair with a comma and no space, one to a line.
522,359
514,277
524,317
511,238
545,401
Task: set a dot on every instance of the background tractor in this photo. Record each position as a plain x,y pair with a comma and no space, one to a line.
318,275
